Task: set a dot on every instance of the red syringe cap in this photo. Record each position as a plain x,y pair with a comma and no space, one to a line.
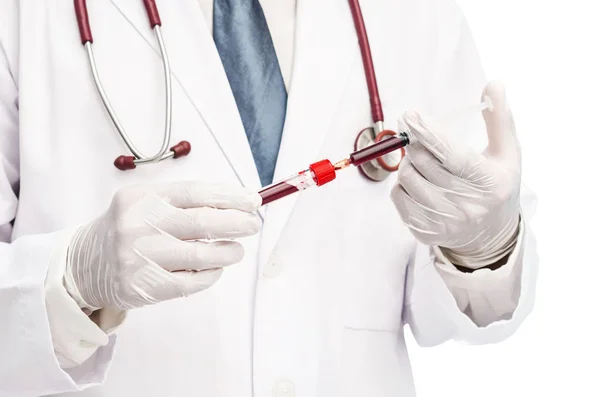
324,172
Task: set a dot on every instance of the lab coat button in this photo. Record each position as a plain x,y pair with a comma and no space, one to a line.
284,388
272,268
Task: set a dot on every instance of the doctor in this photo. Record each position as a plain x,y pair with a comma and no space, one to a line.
169,280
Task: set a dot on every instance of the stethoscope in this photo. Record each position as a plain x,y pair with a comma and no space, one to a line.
374,170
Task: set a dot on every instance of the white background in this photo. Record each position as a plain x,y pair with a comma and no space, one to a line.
548,55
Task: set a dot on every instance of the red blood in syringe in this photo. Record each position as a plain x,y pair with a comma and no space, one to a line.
277,191
379,149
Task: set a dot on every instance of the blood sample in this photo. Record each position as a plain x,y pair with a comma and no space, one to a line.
379,149
291,185
317,174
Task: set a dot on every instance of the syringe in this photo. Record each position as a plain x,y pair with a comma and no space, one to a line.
322,172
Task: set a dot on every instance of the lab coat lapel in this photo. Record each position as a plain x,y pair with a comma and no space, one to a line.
325,46
197,68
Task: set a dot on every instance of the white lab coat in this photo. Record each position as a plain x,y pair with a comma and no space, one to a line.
318,305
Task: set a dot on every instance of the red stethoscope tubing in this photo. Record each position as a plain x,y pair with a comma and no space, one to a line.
369,69
83,20
367,58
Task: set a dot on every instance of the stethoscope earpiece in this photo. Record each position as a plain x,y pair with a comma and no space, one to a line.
125,163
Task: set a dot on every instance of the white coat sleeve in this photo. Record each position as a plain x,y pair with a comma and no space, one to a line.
442,303
33,302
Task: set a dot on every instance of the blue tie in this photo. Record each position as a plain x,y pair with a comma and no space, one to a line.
246,49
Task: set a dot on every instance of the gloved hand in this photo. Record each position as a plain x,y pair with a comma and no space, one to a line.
143,250
464,202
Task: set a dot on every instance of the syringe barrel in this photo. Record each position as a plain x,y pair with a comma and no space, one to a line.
379,149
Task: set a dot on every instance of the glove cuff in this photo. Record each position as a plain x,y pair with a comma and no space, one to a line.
107,319
490,253
69,279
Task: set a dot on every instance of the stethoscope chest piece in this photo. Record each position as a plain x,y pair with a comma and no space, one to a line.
379,169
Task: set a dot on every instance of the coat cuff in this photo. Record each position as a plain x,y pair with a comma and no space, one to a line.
485,295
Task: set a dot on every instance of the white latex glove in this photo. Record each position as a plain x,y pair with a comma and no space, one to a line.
465,202
145,248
